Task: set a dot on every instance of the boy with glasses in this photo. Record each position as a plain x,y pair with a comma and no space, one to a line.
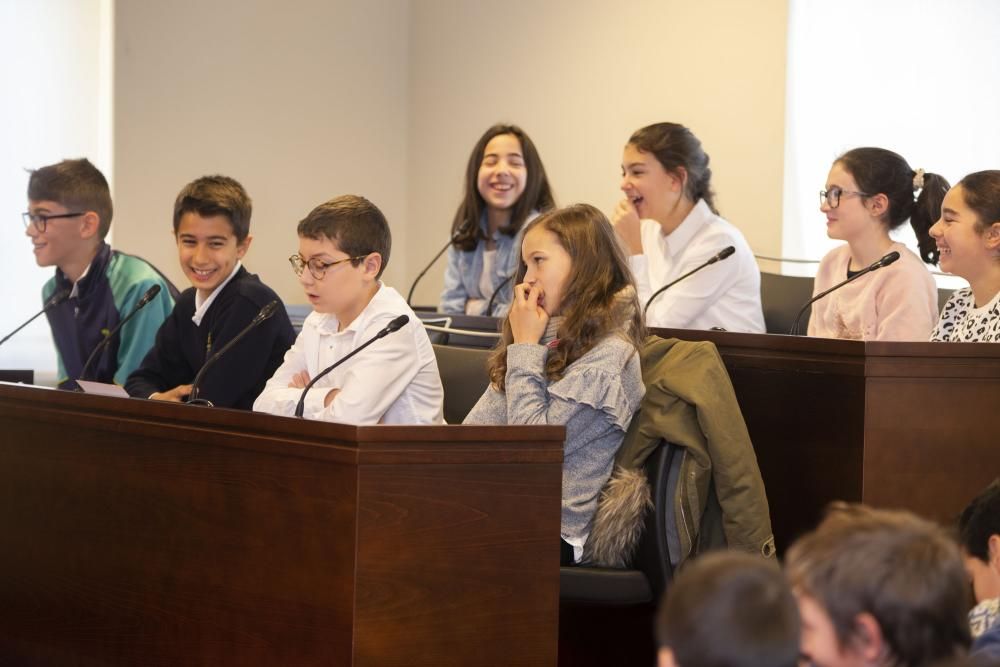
212,229
68,217
343,249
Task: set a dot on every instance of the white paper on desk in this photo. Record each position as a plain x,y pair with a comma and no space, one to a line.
102,388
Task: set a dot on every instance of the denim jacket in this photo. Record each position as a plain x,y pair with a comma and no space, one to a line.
461,278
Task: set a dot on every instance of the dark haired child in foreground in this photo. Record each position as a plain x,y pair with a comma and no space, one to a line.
879,588
869,192
212,229
728,609
343,248
569,354
69,215
979,534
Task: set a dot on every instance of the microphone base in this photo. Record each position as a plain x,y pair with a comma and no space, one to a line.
201,401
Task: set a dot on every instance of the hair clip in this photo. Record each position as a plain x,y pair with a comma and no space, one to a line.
918,179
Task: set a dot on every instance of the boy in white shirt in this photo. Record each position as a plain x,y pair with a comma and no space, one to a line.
343,248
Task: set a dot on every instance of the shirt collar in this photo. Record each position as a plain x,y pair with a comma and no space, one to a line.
679,239
75,292
201,306
327,323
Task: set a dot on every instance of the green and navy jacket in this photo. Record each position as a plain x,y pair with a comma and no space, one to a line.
101,299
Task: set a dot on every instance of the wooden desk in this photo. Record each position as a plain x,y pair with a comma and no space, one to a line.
147,533
890,424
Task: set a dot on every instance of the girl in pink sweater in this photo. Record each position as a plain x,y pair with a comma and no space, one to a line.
869,192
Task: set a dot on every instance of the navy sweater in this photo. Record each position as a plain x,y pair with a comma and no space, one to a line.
235,380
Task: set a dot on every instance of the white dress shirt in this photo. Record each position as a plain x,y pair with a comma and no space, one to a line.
725,294
393,381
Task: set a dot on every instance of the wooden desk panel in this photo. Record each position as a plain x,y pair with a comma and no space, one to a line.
144,533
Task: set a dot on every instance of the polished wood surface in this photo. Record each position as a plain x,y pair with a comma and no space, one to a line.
146,533
891,424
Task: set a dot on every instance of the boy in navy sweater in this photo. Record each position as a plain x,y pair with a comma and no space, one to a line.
212,228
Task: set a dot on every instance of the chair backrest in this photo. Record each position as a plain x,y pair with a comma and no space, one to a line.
652,556
943,296
464,378
297,313
781,298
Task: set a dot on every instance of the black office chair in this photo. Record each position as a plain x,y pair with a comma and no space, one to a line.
464,378
605,614
781,298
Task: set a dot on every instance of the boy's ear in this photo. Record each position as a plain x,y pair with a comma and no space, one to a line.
90,225
372,264
867,640
243,246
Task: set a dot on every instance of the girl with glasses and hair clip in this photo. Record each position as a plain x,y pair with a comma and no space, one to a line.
869,192
505,186
968,238
568,355
669,225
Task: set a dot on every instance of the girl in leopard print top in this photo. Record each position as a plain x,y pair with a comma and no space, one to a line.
968,238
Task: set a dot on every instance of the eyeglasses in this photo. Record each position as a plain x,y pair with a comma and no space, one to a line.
317,267
41,220
832,196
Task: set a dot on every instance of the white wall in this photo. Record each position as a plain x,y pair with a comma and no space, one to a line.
579,77
298,101
55,83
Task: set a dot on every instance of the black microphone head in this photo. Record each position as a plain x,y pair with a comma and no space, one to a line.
726,252
149,295
397,323
267,311
888,259
58,298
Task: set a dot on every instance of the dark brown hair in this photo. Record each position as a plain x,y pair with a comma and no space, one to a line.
599,298
903,570
880,171
76,184
979,521
730,609
216,195
354,224
981,192
537,195
675,147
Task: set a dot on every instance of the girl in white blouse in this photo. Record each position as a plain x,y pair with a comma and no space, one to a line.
968,238
669,225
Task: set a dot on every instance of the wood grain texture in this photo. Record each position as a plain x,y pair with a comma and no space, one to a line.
139,533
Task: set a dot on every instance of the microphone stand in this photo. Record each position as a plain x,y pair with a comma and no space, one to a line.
458,232
54,300
265,313
146,298
722,254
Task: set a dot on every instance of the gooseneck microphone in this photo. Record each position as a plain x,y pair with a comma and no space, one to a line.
53,301
885,261
722,254
454,237
489,306
265,312
140,304
395,325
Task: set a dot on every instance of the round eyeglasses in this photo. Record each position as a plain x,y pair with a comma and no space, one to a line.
317,267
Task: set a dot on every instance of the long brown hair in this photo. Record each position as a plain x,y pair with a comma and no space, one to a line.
599,298
537,195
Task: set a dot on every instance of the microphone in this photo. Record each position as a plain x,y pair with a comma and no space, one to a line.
885,261
53,301
395,325
489,306
265,312
140,304
719,256
458,232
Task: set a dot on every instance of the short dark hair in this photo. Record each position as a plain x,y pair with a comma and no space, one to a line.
881,171
537,195
74,184
216,195
979,521
730,609
355,224
675,146
903,570
981,192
